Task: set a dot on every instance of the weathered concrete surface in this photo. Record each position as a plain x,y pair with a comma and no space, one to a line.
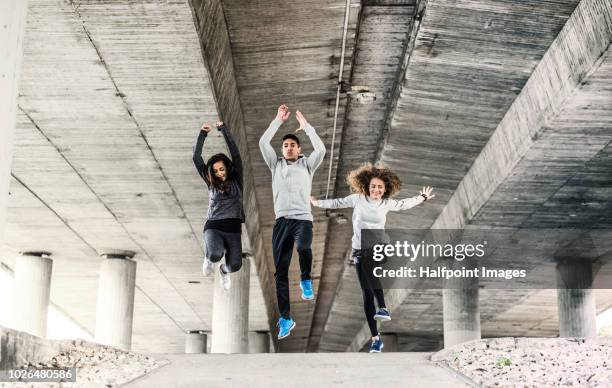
31,293
540,362
97,365
439,123
576,299
18,348
259,342
281,370
113,96
115,307
209,19
526,172
114,93
382,40
288,52
230,320
13,21
195,342
461,312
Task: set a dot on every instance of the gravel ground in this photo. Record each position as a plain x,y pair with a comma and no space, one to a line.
533,362
97,366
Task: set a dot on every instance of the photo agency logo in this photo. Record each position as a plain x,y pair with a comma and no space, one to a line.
495,258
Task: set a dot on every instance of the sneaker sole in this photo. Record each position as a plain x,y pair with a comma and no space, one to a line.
289,332
381,318
378,351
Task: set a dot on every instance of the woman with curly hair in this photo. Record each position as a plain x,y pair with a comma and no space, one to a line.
373,187
222,229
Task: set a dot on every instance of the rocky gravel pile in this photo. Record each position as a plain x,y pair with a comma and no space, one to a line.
532,362
97,366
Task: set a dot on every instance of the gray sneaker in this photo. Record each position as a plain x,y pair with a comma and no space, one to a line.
207,267
224,279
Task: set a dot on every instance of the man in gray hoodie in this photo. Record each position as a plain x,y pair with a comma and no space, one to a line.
291,184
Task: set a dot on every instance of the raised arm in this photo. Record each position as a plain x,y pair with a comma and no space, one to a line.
316,157
405,204
198,161
336,203
266,148
233,149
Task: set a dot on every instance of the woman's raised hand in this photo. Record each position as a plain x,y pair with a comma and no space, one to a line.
206,127
426,191
314,201
219,124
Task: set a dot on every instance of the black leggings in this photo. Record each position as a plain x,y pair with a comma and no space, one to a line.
218,244
370,286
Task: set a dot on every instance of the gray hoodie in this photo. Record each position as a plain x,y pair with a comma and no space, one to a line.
292,182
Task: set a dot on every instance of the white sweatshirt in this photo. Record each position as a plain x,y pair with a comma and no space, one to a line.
368,213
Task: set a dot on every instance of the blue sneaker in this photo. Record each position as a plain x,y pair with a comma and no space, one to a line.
376,346
382,315
306,286
284,327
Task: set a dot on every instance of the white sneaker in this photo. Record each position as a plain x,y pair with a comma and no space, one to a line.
224,279
207,267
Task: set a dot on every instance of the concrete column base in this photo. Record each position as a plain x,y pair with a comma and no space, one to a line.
576,299
230,320
259,342
115,311
461,308
390,342
32,290
195,342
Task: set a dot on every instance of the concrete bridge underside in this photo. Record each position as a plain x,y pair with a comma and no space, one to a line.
504,107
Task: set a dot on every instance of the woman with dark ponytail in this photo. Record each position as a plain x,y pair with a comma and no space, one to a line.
222,229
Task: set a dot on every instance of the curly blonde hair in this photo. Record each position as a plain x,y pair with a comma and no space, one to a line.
359,179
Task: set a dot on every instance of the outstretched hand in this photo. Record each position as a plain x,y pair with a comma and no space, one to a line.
206,127
219,124
301,119
426,191
283,112
314,201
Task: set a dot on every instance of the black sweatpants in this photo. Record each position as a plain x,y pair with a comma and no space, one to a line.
287,232
370,285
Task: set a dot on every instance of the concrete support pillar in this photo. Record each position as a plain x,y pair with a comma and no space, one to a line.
195,342
115,311
230,318
460,307
259,342
576,299
390,341
12,30
32,289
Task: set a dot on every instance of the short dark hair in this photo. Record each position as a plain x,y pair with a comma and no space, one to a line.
292,137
